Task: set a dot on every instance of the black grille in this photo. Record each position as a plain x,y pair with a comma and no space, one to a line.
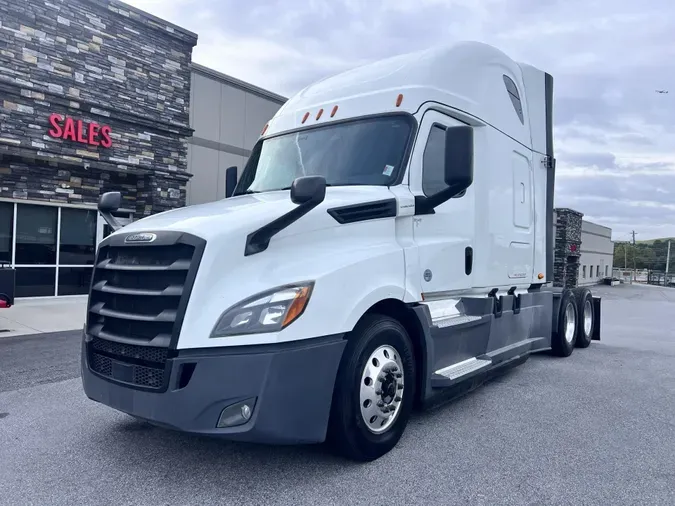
140,375
129,352
138,298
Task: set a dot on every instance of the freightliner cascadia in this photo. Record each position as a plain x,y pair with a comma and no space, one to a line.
389,243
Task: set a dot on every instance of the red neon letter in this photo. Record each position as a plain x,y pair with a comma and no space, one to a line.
80,132
93,134
106,142
56,130
69,130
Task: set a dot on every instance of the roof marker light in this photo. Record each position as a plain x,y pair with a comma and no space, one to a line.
399,99
264,129
304,118
318,114
335,108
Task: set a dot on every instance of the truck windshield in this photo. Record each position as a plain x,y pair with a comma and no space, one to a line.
361,152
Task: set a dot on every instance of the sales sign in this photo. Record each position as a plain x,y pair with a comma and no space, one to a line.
92,134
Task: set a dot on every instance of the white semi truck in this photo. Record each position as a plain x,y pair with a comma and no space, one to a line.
389,243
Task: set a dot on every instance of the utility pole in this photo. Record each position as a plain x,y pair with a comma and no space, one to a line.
668,258
634,269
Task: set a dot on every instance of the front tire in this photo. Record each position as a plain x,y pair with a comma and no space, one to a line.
374,390
565,336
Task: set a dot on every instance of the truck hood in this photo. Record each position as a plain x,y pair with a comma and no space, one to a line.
246,213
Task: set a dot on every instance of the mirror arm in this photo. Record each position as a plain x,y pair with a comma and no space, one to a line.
257,242
426,205
230,181
110,220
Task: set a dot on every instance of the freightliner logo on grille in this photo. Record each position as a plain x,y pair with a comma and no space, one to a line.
143,237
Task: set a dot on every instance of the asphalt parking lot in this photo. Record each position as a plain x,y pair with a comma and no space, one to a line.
595,428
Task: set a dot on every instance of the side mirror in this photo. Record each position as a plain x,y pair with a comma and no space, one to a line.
308,189
458,158
230,181
308,192
458,169
108,203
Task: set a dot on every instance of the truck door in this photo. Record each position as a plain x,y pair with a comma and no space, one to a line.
521,247
444,239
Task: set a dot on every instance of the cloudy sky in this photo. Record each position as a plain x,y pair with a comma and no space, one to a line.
615,136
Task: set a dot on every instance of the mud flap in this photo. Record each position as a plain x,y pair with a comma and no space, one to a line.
597,317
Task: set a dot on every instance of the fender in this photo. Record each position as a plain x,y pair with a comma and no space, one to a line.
364,304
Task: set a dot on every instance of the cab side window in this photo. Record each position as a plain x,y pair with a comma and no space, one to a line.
433,162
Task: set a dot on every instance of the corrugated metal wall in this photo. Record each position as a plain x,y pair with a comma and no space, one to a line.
227,117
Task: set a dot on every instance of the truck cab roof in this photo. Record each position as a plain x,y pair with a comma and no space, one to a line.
477,80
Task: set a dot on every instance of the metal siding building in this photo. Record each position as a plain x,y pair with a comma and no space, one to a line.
227,116
597,253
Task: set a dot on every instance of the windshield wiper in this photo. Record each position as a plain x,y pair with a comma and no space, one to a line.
288,187
251,192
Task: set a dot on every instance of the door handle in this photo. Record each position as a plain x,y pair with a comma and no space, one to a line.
468,260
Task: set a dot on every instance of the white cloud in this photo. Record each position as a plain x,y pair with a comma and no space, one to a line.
607,58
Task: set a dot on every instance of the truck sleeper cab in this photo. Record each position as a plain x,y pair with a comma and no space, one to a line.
389,244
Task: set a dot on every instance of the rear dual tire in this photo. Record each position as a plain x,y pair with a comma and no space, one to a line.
576,322
586,317
564,337
374,390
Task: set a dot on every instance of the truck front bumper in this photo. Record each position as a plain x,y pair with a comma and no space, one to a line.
287,388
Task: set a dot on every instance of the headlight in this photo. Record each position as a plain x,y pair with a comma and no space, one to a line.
269,311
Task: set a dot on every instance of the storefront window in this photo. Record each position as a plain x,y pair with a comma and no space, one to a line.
6,228
35,281
74,280
36,235
55,248
78,237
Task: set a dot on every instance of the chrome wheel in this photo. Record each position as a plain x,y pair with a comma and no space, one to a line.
381,389
570,323
588,318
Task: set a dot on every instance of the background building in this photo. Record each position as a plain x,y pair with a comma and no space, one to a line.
94,96
227,116
584,251
597,253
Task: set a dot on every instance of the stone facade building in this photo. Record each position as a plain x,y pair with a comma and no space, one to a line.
583,252
567,249
94,96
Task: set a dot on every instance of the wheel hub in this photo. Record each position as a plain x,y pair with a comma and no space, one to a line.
570,323
588,317
381,391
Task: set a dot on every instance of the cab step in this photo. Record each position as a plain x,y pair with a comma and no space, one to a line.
452,374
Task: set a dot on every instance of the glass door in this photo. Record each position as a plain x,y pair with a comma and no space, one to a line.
36,251
77,248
